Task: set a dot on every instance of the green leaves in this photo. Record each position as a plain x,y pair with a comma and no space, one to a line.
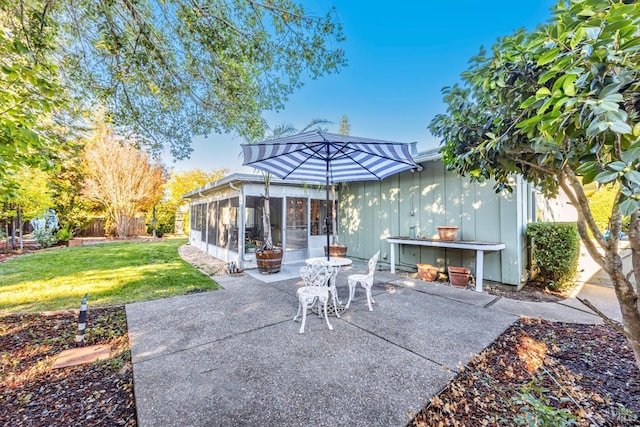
548,56
169,71
561,95
31,97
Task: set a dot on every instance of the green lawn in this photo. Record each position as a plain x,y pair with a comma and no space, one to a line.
111,273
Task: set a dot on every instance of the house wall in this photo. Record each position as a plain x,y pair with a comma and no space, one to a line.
558,209
414,204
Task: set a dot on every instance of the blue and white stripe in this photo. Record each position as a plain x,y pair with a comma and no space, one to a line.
309,156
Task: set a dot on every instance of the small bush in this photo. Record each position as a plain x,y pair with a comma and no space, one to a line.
556,248
44,228
537,410
44,236
64,235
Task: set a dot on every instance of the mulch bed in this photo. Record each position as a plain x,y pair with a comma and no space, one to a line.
32,393
543,373
536,368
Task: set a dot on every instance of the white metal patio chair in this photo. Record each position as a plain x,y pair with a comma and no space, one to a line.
315,277
365,280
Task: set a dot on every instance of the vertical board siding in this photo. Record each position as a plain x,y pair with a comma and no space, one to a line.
372,211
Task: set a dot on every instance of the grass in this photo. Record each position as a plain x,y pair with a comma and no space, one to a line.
111,273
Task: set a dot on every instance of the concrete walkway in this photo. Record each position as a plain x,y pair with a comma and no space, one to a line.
235,357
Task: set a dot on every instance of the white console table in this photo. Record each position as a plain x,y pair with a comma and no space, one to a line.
479,247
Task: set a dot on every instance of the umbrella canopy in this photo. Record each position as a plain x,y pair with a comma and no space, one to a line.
318,156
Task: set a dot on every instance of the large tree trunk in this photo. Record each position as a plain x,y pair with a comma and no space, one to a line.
611,261
122,225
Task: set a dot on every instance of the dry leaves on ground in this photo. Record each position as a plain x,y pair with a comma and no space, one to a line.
543,373
32,393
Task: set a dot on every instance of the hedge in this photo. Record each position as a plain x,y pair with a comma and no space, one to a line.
556,248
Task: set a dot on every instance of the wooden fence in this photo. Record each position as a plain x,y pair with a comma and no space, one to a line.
137,227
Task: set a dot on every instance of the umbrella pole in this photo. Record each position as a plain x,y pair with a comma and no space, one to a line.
327,219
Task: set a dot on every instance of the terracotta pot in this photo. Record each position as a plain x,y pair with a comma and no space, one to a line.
269,261
447,233
459,276
427,272
337,251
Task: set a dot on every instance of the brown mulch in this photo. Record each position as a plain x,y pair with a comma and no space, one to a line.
543,373
549,370
32,393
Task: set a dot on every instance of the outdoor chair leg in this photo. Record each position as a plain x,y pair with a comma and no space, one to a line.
326,317
335,306
304,317
352,291
298,313
369,298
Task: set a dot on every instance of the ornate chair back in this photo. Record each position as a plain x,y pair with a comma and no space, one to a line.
316,274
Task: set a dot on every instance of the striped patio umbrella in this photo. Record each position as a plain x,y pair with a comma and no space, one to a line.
321,157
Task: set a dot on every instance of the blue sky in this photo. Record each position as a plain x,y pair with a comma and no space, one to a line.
400,56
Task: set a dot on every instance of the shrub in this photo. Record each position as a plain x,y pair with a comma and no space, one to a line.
44,228
64,234
44,236
556,248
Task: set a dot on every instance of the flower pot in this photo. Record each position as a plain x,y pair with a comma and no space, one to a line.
459,276
336,251
447,233
427,272
269,260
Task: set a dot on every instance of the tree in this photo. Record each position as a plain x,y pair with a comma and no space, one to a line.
74,211
31,92
170,70
560,107
29,200
180,183
119,177
345,127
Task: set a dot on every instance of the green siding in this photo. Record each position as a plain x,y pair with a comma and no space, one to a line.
372,211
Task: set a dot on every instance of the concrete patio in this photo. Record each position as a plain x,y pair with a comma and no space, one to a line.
235,357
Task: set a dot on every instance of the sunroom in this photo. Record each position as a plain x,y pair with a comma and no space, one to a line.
226,218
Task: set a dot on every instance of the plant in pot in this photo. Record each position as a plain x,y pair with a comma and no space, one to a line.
268,257
250,246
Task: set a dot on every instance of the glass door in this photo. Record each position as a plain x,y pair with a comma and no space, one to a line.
297,224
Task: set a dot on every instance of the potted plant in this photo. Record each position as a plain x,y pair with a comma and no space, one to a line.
268,257
250,246
336,249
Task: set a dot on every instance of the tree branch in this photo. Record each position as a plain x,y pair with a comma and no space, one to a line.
615,325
